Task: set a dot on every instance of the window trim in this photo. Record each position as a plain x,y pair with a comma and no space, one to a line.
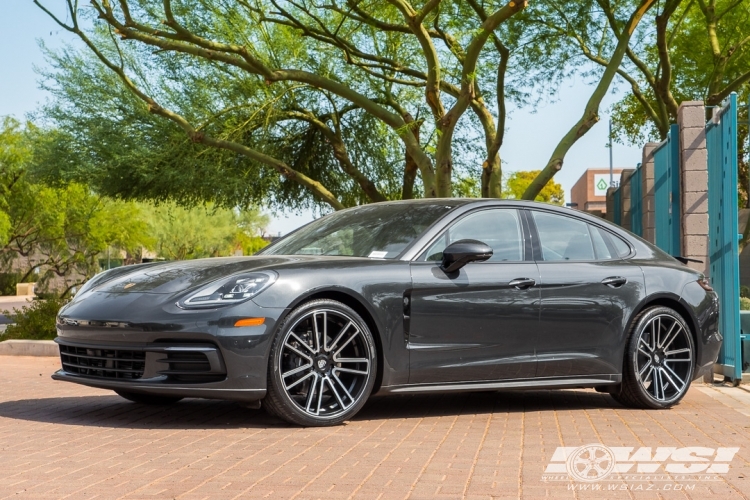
525,244
536,239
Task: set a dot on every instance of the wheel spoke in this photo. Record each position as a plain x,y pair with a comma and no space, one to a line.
354,335
338,337
644,352
657,329
350,360
669,338
645,366
658,384
300,380
667,371
341,384
316,331
336,393
349,370
296,370
311,392
650,373
320,395
309,348
300,353
677,351
645,344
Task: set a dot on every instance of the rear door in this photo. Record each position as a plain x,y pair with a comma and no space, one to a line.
479,323
588,292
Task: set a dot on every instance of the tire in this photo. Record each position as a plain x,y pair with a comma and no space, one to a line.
148,399
658,368
326,381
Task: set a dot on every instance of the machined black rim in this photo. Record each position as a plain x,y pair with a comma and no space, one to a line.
325,363
663,362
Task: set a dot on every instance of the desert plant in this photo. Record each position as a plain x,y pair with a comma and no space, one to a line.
35,322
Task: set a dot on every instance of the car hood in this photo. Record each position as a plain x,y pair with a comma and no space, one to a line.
174,277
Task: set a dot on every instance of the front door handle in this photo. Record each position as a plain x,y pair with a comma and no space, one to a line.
614,281
522,283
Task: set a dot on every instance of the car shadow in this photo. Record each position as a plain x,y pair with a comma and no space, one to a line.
114,412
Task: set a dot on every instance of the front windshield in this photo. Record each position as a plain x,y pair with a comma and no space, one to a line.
380,231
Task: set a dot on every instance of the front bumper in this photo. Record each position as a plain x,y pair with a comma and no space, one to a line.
152,329
187,369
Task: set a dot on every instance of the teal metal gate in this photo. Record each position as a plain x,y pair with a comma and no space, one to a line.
721,141
636,202
667,192
617,216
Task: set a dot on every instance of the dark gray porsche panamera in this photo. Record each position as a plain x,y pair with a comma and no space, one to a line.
399,297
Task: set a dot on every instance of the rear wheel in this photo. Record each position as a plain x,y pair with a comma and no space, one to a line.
148,399
322,365
659,361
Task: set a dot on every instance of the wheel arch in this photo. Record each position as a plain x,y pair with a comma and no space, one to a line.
675,302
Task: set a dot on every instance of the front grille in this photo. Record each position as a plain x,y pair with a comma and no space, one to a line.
103,363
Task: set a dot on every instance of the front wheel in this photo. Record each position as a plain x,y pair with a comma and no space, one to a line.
322,366
659,360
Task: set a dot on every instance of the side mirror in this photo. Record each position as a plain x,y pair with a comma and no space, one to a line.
458,254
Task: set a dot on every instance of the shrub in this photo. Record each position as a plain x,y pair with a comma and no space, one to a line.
35,322
744,304
745,291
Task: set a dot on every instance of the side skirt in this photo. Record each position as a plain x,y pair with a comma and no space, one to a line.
537,383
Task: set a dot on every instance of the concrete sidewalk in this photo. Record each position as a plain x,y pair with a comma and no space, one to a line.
60,440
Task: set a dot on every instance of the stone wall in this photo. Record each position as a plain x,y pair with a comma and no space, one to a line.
694,183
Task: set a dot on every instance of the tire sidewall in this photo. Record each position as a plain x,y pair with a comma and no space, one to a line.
276,385
632,356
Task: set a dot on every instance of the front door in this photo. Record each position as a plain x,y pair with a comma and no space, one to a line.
588,294
480,322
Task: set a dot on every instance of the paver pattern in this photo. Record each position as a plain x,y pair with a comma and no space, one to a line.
60,440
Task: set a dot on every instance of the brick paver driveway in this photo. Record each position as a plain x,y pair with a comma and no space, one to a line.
60,440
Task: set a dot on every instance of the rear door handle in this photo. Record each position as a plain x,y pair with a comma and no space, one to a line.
522,283
614,281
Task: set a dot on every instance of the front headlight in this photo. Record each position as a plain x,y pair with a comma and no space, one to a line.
229,291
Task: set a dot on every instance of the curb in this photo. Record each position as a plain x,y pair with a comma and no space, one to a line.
29,348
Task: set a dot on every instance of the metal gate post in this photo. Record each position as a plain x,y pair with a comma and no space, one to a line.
721,137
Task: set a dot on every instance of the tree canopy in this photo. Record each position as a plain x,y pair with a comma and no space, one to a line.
341,102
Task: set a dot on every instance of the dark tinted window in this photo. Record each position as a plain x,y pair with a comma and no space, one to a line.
563,238
498,228
598,238
622,248
376,231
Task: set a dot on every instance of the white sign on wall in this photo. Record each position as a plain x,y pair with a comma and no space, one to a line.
601,183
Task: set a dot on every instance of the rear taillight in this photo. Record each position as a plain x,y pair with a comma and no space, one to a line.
705,283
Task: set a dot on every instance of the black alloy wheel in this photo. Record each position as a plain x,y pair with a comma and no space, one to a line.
322,366
659,361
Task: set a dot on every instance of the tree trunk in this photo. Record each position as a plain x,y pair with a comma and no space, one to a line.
410,167
591,112
492,170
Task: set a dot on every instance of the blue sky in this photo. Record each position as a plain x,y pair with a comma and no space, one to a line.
529,140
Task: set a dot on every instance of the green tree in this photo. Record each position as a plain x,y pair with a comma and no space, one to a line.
518,182
352,102
56,231
190,233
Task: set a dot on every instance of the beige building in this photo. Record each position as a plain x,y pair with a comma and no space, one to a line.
589,193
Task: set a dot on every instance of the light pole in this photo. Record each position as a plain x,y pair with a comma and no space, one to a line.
611,171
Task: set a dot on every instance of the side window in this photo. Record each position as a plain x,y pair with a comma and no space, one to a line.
622,248
563,238
498,228
600,245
